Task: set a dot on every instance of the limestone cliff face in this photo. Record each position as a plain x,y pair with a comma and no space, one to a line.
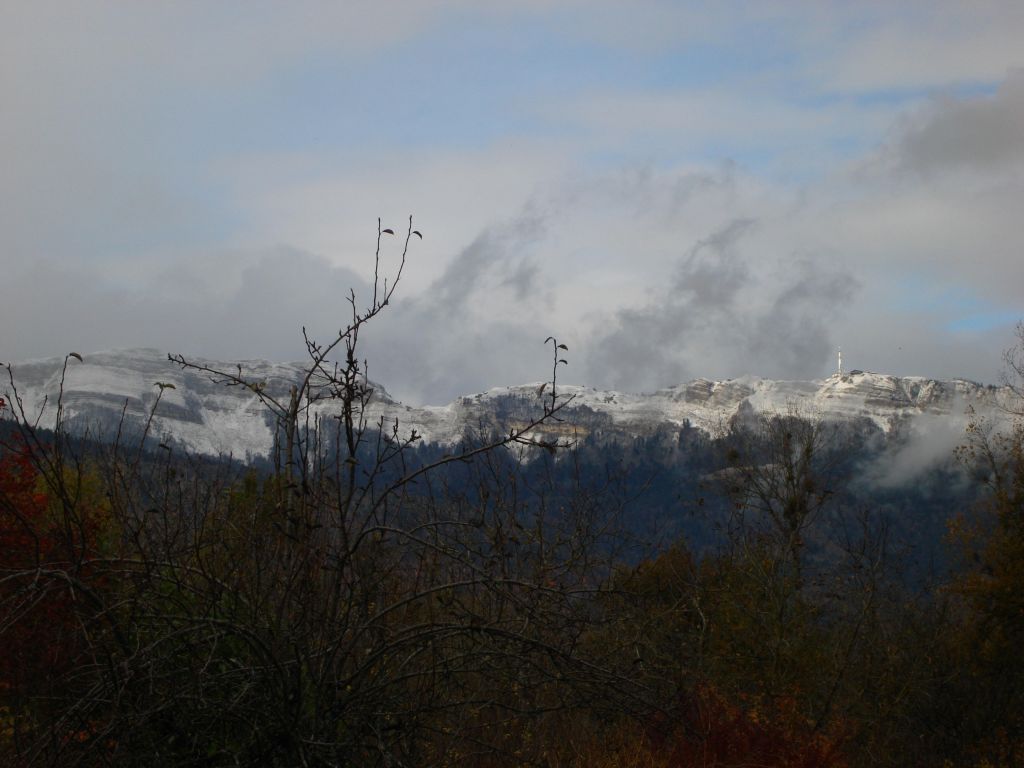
211,418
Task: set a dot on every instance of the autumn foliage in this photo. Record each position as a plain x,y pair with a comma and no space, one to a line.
40,637
46,577
714,732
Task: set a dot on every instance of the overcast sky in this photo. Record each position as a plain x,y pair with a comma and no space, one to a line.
673,189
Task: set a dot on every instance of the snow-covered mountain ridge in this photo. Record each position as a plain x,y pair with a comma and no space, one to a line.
211,418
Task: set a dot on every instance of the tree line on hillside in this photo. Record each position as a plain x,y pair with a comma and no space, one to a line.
487,605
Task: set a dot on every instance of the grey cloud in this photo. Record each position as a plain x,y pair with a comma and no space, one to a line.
690,186
124,130
792,337
277,291
983,134
118,120
495,255
713,273
473,328
651,346
637,353
523,279
714,320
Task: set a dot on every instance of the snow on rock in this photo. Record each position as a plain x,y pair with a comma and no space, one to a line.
211,418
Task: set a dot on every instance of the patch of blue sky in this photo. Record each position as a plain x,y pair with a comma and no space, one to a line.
852,144
957,309
917,293
906,96
466,84
465,88
785,161
710,65
985,321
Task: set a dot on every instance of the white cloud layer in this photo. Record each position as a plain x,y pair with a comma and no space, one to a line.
673,191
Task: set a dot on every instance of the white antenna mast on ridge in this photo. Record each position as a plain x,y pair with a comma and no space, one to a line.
839,365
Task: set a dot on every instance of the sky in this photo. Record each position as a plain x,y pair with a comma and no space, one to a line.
672,189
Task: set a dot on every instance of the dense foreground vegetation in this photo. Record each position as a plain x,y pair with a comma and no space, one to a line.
158,610
361,605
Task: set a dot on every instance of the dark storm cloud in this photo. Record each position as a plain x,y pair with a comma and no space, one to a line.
720,314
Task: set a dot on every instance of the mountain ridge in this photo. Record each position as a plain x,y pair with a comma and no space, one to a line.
214,419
